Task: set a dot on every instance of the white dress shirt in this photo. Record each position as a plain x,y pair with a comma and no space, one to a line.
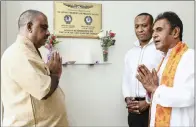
149,56
181,96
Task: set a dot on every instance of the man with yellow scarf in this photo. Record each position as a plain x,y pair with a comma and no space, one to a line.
172,85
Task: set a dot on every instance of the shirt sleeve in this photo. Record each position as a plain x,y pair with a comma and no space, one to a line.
126,75
182,93
28,74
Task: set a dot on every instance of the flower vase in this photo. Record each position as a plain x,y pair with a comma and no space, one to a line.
105,54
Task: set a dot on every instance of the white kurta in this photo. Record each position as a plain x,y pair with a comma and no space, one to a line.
181,96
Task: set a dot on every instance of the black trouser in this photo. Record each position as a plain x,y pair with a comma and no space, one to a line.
138,120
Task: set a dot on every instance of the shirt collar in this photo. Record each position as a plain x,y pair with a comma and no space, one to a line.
137,43
168,53
29,44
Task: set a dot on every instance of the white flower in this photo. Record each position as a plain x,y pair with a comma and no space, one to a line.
101,34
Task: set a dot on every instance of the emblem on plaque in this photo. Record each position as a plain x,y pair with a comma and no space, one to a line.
88,20
68,19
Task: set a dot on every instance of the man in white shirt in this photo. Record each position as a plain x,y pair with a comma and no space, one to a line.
172,88
143,52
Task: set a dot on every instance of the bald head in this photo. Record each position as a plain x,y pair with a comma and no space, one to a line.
28,16
33,25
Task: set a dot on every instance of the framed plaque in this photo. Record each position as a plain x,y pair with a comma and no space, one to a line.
77,19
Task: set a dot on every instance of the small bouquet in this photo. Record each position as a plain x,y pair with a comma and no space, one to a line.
107,40
50,44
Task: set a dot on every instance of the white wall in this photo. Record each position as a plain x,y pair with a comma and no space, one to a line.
3,27
93,94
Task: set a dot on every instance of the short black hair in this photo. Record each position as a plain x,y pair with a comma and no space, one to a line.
28,16
173,20
147,14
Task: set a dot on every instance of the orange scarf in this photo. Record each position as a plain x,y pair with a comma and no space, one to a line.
163,114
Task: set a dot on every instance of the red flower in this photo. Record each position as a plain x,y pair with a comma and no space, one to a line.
51,41
112,34
53,37
105,52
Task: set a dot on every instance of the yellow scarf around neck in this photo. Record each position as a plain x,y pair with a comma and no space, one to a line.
163,114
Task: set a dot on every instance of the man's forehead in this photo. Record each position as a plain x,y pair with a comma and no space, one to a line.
42,19
142,18
160,23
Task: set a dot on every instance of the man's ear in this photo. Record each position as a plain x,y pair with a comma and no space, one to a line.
176,32
29,26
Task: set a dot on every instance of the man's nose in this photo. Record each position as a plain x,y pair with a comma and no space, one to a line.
140,29
48,33
154,35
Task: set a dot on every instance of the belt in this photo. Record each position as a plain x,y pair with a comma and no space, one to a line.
139,98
